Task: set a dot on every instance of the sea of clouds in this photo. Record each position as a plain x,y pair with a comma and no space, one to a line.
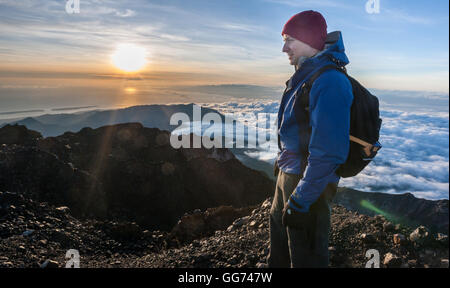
414,157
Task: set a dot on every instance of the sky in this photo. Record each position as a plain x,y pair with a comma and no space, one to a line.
51,57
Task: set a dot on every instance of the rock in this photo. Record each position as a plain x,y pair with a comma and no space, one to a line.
261,265
126,231
252,224
63,209
404,265
7,264
266,204
380,218
18,134
49,264
420,236
190,226
368,238
392,261
388,227
27,233
221,217
168,169
442,238
412,263
399,239
62,237
240,221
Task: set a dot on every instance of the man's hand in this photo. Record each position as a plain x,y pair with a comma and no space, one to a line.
294,218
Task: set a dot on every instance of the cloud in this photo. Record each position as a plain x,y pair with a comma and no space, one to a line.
236,27
414,157
403,16
127,13
173,37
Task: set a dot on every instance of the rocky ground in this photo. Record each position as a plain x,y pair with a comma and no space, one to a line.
35,234
117,174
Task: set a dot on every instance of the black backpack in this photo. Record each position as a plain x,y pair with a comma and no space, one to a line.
365,123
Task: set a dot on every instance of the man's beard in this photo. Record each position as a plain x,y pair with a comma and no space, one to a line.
300,61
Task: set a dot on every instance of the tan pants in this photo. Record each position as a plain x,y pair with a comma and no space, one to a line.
308,247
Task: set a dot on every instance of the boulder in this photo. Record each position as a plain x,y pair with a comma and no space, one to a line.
388,227
399,239
420,236
392,261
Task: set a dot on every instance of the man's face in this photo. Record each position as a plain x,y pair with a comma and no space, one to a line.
295,49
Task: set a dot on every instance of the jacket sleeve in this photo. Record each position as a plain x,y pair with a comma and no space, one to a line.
330,102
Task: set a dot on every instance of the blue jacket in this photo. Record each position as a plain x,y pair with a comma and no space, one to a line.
328,142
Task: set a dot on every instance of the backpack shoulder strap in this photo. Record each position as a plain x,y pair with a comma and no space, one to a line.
302,107
308,84
306,87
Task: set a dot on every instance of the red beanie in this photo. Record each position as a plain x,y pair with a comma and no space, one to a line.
309,27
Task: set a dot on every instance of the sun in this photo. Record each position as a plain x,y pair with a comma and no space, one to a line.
129,57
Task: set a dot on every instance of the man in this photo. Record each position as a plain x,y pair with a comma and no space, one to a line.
309,157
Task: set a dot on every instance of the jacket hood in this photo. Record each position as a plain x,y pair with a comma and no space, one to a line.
334,49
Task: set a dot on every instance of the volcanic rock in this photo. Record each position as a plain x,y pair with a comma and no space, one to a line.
399,238
420,236
130,173
19,135
392,261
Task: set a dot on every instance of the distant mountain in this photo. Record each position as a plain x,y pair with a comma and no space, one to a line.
263,166
403,208
150,116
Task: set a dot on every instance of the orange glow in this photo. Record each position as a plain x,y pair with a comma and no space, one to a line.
130,90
